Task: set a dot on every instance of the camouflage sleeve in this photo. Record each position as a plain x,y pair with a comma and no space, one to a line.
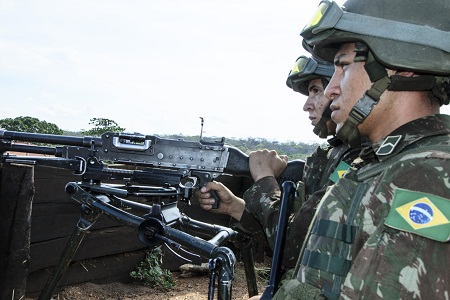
262,213
261,209
250,226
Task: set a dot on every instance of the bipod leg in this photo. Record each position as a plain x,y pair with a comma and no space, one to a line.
87,219
249,268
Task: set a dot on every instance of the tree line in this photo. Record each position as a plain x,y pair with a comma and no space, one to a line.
294,150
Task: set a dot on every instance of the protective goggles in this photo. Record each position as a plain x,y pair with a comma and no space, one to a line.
304,65
326,17
330,15
303,69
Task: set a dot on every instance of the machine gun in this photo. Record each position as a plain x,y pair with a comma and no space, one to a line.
119,170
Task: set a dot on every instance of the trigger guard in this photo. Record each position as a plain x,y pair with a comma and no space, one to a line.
188,183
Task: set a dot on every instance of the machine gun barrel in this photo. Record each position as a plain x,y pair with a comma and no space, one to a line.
50,138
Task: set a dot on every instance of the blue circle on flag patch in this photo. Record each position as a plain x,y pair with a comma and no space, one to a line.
421,213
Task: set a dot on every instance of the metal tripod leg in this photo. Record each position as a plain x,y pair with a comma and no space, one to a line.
249,267
87,219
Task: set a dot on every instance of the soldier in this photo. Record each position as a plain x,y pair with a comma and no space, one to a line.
308,77
383,231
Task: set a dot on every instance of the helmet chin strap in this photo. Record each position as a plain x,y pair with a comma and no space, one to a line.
321,128
378,75
381,82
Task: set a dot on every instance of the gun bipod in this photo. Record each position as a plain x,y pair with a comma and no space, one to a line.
159,225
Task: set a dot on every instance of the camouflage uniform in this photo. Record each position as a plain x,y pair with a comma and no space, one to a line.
381,232
265,193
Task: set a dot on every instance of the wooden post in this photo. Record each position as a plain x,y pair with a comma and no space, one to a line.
16,196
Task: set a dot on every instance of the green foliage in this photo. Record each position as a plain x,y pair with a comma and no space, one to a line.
30,124
102,125
150,273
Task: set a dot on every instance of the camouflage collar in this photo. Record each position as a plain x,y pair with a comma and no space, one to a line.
410,133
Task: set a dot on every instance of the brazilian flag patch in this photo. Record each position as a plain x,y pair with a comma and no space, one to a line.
339,171
420,213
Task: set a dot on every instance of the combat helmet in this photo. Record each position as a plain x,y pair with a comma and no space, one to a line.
409,35
306,69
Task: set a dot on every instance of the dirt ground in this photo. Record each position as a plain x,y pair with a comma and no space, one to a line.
188,288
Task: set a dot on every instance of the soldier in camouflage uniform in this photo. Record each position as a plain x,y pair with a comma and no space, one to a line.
308,77
382,231
322,168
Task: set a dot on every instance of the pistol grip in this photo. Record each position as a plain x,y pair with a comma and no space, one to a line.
216,199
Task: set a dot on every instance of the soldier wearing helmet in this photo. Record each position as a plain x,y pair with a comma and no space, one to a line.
310,78
388,37
383,230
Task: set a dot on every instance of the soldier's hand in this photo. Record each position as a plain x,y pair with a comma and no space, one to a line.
229,204
266,163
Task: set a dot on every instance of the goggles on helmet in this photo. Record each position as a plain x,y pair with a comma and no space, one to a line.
306,69
326,17
303,66
330,15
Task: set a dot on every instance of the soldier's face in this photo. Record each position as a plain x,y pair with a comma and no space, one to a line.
316,102
348,84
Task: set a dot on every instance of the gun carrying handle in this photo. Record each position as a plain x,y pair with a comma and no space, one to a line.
134,147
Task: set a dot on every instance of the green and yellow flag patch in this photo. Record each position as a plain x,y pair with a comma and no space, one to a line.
420,213
339,171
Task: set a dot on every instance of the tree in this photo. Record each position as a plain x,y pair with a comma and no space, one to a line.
30,124
102,125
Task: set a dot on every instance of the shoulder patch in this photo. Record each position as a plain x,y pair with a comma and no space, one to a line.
339,171
420,213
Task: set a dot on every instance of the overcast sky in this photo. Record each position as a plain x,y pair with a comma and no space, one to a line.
156,66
